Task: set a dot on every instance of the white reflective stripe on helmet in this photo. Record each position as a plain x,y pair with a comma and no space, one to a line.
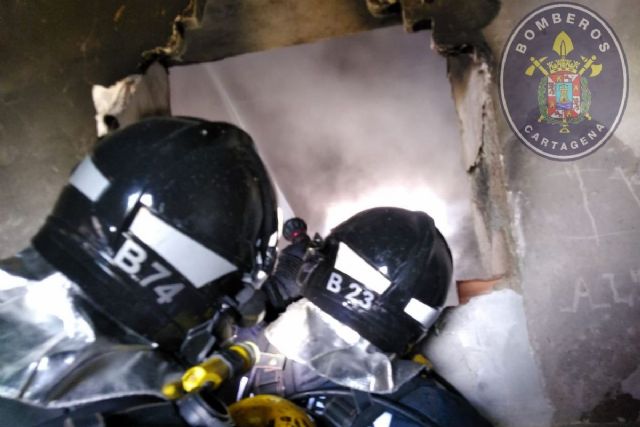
421,312
89,180
195,262
273,239
353,265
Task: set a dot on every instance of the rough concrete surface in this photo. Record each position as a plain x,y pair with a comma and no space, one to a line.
52,53
471,81
577,230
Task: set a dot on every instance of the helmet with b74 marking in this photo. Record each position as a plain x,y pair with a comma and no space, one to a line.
162,221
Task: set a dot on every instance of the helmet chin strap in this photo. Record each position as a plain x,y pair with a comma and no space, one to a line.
202,340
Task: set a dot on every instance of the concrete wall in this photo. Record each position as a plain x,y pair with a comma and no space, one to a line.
52,53
574,233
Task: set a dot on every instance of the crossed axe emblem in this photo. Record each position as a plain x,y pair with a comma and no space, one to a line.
563,46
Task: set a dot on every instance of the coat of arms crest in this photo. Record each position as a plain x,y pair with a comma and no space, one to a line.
568,58
563,93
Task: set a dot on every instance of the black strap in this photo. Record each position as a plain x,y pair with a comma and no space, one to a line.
386,404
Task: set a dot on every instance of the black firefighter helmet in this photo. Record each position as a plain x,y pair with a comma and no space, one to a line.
384,272
161,221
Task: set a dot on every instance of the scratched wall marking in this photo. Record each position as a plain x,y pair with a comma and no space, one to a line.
615,292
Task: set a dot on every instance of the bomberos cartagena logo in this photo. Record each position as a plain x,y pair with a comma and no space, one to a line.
563,81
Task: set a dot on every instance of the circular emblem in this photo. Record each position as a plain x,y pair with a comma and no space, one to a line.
563,81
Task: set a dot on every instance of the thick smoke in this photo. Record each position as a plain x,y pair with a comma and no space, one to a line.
346,124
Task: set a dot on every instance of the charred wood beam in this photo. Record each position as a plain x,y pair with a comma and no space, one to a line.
456,24
210,30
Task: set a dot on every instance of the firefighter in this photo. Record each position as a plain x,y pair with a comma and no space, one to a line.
154,249
371,290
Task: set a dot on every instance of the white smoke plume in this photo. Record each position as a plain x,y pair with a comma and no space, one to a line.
347,124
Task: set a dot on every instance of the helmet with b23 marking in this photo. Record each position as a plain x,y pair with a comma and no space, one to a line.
385,273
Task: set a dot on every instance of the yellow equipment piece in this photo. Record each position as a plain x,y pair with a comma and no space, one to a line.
419,358
266,410
172,390
213,371
231,361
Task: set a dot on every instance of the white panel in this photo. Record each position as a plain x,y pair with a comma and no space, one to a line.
89,180
486,342
197,263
